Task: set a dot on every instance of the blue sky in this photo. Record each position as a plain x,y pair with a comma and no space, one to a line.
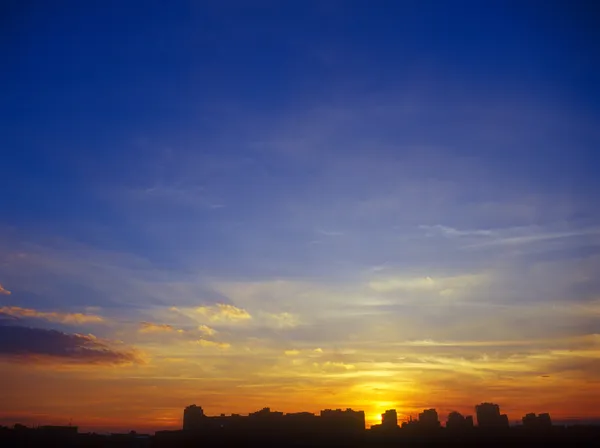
428,169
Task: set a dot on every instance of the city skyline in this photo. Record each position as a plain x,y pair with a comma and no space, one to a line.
487,415
330,427
365,204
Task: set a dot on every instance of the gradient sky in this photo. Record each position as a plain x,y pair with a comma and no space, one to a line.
301,205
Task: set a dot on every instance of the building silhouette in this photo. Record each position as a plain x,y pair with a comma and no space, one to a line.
456,421
267,425
330,428
389,419
429,419
193,418
488,416
343,420
541,421
410,423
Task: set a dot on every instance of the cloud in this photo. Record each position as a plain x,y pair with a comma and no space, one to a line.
332,365
444,286
53,316
526,236
206,330
30,344
392,284
150,327
223,312
509,236
281,320
330,232
213,344
452,232
433,343
306,352
4,291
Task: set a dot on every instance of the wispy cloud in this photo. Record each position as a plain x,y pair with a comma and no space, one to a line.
315,352
223,312
281,320
29,344
206,330
330,232
533,237
508,236
452,232
444,286
150,327
4,291
212,344
333,365
51,316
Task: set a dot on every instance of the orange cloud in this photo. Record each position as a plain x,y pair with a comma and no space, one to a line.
53,316
224,312
4,291
305,352
207,343
150,327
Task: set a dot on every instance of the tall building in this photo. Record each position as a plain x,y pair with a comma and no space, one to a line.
532,421
389,419
488,416
457,421
346,420
544,419
193,418
429,419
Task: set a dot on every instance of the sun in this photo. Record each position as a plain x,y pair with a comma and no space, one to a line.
377,408
373,418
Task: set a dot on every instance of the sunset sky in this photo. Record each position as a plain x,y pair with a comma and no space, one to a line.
300,204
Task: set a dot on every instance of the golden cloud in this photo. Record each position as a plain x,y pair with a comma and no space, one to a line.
215,344
205,329
4,291
223,312
53,316
331,365
150,327
307,352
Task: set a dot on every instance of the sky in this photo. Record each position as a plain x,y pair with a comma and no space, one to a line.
302,205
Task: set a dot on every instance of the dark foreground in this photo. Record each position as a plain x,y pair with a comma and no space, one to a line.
577,436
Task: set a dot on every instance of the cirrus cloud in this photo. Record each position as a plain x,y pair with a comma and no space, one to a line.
224,312
212,344
151,327
51,316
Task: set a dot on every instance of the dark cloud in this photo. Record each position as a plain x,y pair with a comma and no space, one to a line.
28,343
